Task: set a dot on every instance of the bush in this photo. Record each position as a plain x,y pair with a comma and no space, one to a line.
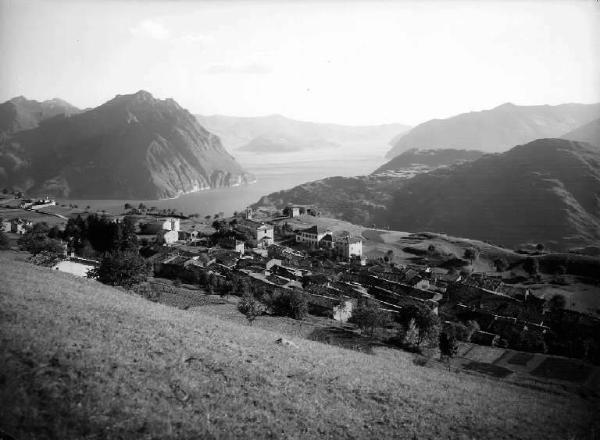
121,268
427,322
368,316
4,241
531,266
501,264
250,307
292,303
448,345
36,242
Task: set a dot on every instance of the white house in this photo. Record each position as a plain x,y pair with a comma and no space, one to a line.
349,246
167,237
311,236
265,234
43,203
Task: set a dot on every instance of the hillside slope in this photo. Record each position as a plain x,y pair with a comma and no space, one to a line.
117,366
132,147
498,129
428,158
21,113
589,132
545,191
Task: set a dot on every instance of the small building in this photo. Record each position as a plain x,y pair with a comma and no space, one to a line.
43,203
167,237
20,226
291,211
232,243
349,247
311,236
164,224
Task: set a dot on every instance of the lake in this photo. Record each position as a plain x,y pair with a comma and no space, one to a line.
274,172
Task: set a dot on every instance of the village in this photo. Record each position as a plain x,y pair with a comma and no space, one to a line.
291,251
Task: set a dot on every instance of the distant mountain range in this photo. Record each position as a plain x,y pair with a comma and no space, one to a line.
21,113
545,191
589,132
498,129
132,147
278,134
427,158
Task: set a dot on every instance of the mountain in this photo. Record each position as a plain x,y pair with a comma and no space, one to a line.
545,191
428,159
498,129
276,133
589,132
21,113
266,143
132,147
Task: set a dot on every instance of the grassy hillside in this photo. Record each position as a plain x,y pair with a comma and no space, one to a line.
82,360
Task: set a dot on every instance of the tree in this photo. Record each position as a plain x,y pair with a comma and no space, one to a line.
368,316
142,207
411,334
425,320
540,247
128,206
448,347
501,264
471,254
292,303
531,266
250,307
121,268
4,241
36,240
557,302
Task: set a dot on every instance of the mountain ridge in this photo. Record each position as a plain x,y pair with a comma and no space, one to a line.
20,113
132,146
245,133
497,129
544,191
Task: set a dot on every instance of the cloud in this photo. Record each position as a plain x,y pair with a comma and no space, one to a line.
151,29
195,38
239,69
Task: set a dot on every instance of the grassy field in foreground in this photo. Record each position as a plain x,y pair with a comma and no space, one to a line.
82,360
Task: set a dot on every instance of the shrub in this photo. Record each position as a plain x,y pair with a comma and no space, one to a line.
250,307
457,330
368,316
448,345
121,268
501,264
471,254
425,320
412,334
292,303
531,266
4,241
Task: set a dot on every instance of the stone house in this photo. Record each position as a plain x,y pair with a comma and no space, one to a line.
311,236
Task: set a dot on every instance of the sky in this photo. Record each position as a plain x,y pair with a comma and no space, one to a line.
346,62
